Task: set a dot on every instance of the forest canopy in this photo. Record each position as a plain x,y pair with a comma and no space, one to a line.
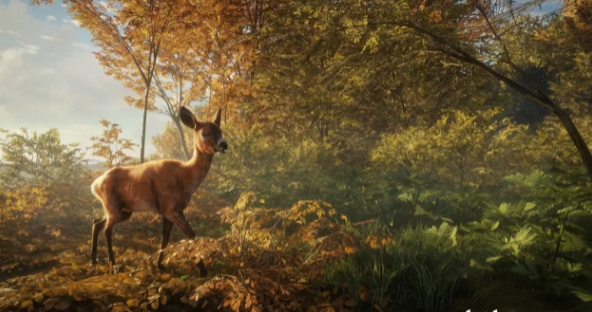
383,154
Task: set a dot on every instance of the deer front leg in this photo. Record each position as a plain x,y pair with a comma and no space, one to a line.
167,226
179,220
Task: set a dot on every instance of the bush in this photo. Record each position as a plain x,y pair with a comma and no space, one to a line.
426,266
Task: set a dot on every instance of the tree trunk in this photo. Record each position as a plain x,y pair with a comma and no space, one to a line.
143,143
182,138
152,56
177,119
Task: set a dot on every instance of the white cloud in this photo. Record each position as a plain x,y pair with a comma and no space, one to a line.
50,18
28,48
75,22
82,45
45,37
4,114
11,57
47,84
10,32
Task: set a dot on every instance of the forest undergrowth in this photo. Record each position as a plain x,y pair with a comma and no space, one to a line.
305,258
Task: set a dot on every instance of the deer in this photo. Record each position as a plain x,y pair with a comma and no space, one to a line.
164,187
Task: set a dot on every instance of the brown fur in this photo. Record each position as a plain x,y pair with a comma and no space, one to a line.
164,187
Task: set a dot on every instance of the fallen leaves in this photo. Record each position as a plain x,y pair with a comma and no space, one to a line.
253,268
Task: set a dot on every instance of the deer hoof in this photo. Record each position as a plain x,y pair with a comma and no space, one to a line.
202,269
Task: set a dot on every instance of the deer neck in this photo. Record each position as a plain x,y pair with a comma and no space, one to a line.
198,167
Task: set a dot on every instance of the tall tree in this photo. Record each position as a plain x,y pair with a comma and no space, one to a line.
460,38
32,159
130,36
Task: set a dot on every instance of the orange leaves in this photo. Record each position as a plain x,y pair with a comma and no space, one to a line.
27,304
269,273
309,222
435,16
110,146
105,123
235,294
376,242
349,250
301,211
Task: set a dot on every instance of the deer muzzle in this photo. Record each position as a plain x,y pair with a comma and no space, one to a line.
221,146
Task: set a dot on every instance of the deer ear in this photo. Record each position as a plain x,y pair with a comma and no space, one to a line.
188,118
217,118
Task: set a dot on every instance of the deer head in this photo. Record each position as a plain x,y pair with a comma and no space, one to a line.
208,136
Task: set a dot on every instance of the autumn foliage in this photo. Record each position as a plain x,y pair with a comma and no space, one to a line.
419,155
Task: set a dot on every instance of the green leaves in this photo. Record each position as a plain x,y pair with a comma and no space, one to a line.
444,231
527,268
37,159
532,180
522,239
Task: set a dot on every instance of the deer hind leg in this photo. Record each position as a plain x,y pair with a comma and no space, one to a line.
98,225
167,227
112,220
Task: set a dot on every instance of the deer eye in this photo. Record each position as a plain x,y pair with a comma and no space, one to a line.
205,135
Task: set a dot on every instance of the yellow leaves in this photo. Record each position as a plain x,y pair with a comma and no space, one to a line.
236,305
27,304
38,298
371,45
455,146
349,250
164,299
49,304
29,248
120,308
364,293
154,303
84,248
62,305
248,301
110,146
376,242
284,291
262,278
78,296
55,232
105,123
435,16
24,203
165,277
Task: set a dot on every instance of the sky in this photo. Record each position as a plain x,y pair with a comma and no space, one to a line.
49,78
